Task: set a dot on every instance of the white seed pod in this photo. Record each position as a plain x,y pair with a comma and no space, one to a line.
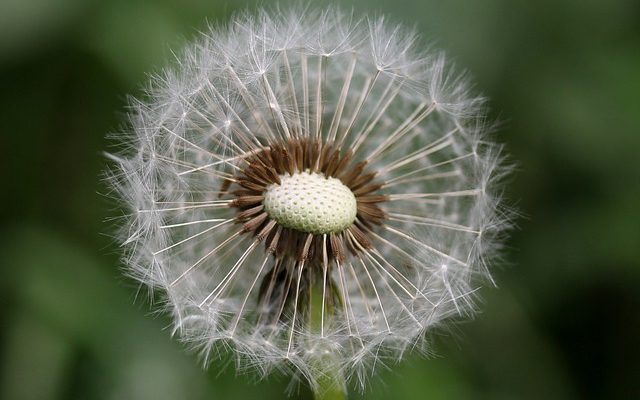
309,152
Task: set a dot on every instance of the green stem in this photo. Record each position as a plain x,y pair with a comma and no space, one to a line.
330,383
330,388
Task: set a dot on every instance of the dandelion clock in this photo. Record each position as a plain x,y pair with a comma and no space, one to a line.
311,192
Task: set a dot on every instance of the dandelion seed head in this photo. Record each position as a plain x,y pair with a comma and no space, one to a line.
307,185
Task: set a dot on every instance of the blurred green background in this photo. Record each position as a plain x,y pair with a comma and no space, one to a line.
564,76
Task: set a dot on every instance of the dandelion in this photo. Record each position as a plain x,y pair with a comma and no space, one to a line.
311,191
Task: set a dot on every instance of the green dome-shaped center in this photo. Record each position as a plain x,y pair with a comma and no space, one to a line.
311,203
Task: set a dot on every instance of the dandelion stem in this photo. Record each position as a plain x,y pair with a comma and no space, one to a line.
330,383
330,387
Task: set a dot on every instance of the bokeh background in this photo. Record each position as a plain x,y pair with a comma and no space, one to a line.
562,75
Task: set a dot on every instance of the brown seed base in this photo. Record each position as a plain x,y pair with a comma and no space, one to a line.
265,167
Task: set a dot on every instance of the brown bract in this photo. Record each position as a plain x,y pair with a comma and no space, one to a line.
264,168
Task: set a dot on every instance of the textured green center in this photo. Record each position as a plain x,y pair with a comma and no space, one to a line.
311,203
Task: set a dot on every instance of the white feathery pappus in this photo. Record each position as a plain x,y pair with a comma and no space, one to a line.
309,185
